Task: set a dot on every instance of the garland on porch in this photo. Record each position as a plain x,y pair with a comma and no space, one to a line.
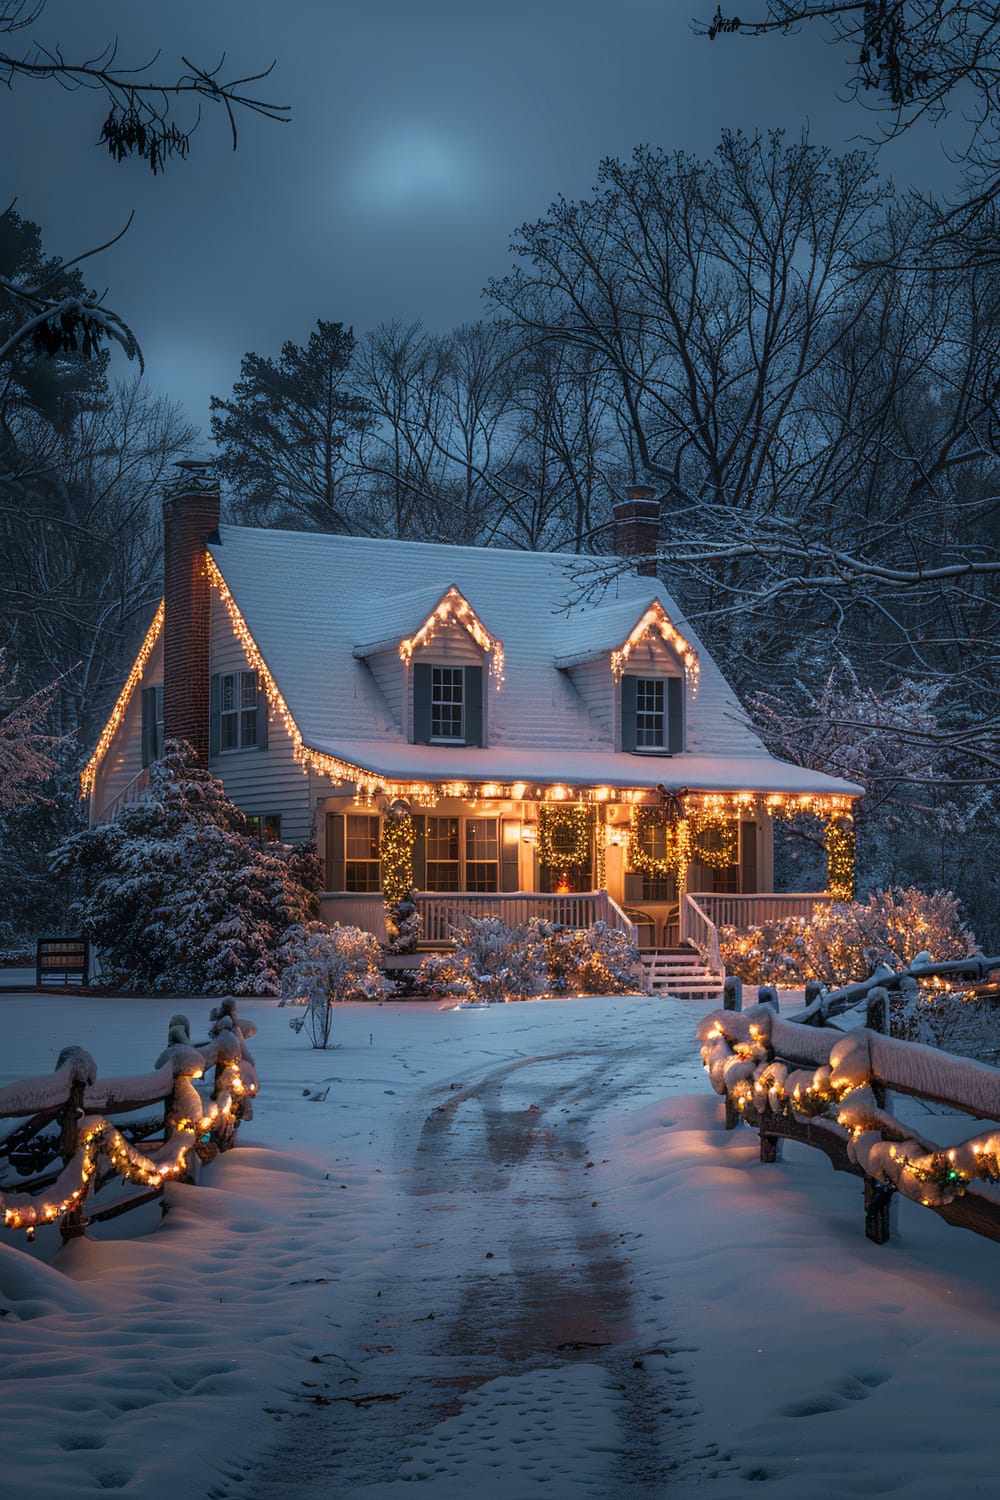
395,847
840,842
564,835
645,823
715,841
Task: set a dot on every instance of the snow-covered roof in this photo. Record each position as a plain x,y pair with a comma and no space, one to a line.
316,605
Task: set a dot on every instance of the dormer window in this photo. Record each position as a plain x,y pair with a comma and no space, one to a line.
652,715
447,704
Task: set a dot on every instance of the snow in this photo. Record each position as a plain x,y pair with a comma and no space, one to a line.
509,1253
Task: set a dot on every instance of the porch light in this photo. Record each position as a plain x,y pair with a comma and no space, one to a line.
616,837
529,833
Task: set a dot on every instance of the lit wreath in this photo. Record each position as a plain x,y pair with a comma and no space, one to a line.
554,824
704,830
644,823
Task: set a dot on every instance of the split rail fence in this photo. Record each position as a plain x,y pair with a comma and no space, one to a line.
828,1088
70,1140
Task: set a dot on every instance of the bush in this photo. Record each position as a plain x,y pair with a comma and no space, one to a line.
324,965
842,941
180,897
495,962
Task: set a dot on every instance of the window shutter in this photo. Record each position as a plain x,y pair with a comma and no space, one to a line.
748,856
675,715
335,878
421,675
628,713
261,716
148,726
473,686
510,848
419,852
158,721
214,739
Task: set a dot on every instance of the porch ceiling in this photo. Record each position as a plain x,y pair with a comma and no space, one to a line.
584,768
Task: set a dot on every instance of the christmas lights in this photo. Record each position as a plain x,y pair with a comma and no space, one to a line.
841,848
455,609
396,852
89,772
657,621
564,835
647,827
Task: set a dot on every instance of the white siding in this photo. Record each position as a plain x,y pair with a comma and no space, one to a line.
596,686
260,781
122,760
388,672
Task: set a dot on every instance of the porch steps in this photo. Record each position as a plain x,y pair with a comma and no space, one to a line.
680,972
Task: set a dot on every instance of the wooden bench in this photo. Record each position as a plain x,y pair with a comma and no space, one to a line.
62,958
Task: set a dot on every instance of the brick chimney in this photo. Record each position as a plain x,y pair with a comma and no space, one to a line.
191,508
637,527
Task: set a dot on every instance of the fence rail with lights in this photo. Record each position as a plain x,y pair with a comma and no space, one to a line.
828,1088
70,1140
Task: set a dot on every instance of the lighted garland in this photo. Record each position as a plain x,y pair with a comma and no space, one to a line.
644,825
840,842
89,772
564,835
704,829
395,847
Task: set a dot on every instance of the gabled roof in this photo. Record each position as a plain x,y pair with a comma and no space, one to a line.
311,601
419,615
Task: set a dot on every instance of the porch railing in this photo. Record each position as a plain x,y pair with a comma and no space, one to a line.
704,912
442,911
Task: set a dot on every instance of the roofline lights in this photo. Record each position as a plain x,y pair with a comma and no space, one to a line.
89,772
656,619
455,608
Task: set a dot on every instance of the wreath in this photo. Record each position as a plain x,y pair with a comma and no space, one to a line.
564,835
644,825
715,841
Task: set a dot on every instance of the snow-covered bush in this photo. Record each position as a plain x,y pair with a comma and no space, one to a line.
179,896
495,962
324,965
402,924
841,941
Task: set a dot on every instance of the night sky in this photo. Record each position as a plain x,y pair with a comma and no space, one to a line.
421,136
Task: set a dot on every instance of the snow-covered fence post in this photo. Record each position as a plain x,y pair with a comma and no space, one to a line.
768,995
732,993
74,1222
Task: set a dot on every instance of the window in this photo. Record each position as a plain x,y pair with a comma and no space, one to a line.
448,841
362,866
152,724
265,827
237,710
447,717
447,705
652,715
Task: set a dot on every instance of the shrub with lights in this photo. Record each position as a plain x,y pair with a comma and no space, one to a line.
838,942
180,896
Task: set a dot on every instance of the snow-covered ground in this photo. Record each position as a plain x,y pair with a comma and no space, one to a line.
506,1253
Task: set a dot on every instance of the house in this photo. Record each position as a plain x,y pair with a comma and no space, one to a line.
549,751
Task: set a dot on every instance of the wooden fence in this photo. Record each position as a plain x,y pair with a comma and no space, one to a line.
70,1140
827,1088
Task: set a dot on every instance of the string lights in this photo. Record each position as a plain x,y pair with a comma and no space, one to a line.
656,621
564,835
89,772
396,852
454,608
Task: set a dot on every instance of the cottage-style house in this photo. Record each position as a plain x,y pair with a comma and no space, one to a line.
576,760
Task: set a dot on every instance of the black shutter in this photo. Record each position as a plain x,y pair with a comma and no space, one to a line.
675,715
748,857
261,716
628,712
335,876
473,686
421,703
419,852
510,846
158,721
215,695
148,726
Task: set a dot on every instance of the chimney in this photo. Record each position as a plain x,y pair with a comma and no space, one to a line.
191,509
637,528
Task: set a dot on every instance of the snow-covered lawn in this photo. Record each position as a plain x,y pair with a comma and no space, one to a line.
507,1253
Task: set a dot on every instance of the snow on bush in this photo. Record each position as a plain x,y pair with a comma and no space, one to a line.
179,896
324,965
840,942
495,962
